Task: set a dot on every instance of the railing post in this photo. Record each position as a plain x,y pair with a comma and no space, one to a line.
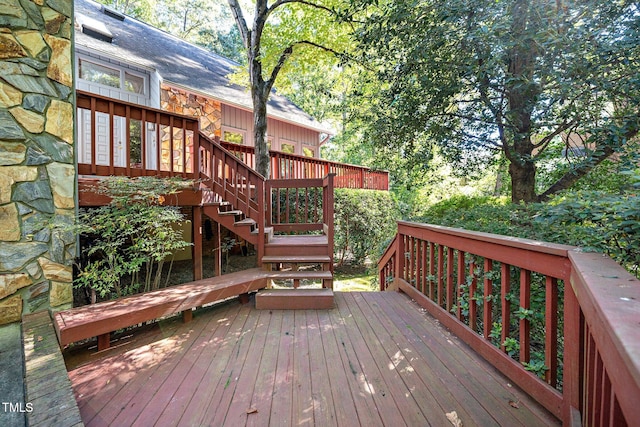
328,208
261,188
399,273
573,346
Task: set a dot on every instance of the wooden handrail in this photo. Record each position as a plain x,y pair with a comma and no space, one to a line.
295,166
474,282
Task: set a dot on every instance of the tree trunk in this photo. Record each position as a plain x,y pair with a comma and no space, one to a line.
521,91
260,128
523,182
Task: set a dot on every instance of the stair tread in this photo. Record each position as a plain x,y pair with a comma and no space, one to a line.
230,213
308,240
246,221
295,299
300,274
299,292
297,258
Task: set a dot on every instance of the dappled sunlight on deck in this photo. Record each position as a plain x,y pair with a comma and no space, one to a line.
375,359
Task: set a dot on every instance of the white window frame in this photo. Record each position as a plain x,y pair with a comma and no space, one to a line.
296,145
120,68
231,129
313,150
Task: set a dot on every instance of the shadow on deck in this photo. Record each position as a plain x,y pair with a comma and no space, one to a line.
376,359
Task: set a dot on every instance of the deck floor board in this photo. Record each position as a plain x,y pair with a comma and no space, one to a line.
376,359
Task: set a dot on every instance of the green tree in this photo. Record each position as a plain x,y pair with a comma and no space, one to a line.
276,33
479,77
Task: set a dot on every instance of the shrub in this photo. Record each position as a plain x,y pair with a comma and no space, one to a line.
131,235
363,219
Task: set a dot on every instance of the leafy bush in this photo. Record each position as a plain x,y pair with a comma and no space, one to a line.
131,235
593,220
363,219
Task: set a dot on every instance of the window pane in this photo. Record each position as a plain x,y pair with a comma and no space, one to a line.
99,73
308,152
133,83
234,137
288,148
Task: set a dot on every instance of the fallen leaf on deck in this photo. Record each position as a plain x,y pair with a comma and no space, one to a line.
453,417
514,404
252,410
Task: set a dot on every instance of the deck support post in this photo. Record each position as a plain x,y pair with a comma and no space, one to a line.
197,242
104,341
217,252
244,298
187,316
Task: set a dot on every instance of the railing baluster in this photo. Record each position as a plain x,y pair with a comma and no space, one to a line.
432,270
450,282
460,283
440,275
143,142
525,323
473,305
112,139
551,330
505,288
94,133
127,133
487,310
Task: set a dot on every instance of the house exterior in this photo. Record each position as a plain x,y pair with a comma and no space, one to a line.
126,59
37,163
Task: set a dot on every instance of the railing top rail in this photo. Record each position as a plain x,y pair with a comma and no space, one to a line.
82,95
610,299
515,242
388,252
295,183
250,149
204,138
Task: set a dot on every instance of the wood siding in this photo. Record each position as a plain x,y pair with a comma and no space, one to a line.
279,132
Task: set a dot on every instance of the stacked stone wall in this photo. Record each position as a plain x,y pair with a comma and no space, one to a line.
37,167
208,110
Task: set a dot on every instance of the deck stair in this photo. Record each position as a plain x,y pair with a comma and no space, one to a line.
295,299
235,221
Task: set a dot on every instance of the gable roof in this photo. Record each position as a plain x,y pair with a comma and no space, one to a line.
177,61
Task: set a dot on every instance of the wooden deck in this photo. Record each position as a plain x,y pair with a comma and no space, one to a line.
376,359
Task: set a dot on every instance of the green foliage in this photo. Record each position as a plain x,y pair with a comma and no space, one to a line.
593,220
363,219
479,77
134,233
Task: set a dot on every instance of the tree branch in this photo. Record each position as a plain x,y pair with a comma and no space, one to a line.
240,21
574,175
287,53
279,3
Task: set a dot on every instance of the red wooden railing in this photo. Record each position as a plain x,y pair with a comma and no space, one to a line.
302,206
132,129
120,142
293,166
587,335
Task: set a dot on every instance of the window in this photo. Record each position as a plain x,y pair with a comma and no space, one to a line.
97,73
309,152
234,137
112,76
288,148
133,83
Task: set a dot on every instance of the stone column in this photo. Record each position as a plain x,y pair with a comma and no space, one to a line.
37,167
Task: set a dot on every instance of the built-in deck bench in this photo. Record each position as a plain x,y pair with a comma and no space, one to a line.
49,397
99,320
